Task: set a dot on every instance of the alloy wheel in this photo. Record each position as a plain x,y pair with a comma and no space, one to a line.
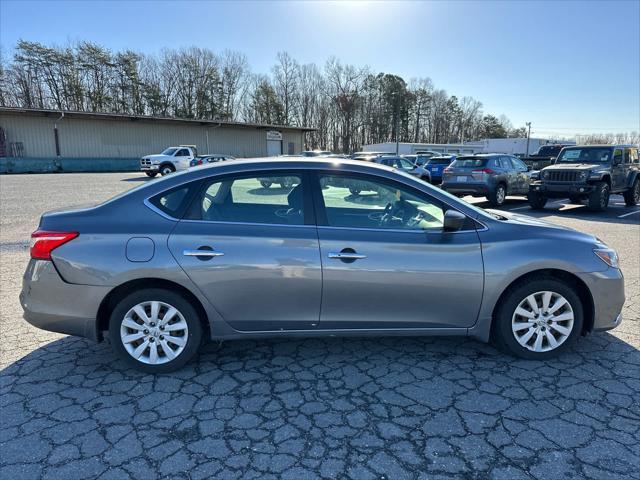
542,321
636,192
501,194
154,332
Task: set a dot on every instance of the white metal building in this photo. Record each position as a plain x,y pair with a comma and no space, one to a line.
100,137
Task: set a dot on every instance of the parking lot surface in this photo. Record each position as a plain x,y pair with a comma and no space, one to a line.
379,408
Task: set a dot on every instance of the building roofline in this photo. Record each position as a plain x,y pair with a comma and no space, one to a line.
45,112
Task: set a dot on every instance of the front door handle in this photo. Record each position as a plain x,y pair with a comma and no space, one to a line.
347,255
202,253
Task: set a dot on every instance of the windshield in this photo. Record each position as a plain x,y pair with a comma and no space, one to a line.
585,155
169,151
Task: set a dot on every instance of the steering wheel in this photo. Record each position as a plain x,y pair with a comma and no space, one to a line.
391,211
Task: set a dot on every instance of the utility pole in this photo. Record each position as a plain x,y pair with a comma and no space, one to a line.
528,124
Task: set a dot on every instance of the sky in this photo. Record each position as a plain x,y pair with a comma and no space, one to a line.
566,67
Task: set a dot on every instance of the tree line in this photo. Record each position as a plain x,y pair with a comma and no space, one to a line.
349,106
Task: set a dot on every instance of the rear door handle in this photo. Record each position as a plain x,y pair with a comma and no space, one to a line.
202,253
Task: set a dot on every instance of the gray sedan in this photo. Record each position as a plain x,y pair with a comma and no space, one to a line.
211,253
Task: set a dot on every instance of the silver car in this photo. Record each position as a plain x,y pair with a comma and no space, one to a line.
211,254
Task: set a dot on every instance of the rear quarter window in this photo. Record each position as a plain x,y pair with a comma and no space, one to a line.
174,202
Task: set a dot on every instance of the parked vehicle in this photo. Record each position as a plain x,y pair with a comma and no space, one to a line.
544,157
494,176
173,159
404,164
205,254
315,153
358,155
210,158
436,166
589,173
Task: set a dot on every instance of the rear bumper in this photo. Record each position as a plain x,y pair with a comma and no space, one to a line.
561,190
466,188
52,304
607,291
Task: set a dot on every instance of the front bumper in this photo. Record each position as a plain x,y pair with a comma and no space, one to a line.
52,304
607,291
560,190
149,168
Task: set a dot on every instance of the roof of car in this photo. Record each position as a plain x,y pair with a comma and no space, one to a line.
605,145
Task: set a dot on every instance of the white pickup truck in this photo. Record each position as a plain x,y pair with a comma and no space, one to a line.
173,159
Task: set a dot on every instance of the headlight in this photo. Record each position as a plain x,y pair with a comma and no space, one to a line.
545,174
608,256
582,175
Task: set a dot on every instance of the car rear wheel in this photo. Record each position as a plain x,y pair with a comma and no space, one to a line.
155,330
498,196
538,319
632,196
536,201
151,174
599,198
265,184
167,169
354,191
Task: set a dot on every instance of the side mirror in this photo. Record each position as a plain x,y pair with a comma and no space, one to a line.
528,168
617,160
453,220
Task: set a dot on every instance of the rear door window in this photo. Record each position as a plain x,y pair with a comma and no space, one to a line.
274,199
506,163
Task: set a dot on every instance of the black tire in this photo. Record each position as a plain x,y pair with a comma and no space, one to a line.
151,174
599,198
632,196
265,183
575,199
502,322
354,191
167,169
536,201
498,196
184,307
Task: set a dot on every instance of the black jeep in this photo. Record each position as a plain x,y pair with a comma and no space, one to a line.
589,172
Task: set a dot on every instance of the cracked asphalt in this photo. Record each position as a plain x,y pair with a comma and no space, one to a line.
379,408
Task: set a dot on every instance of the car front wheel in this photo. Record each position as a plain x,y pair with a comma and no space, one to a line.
536,201
155,330
166,170
538,319
599,199
151,174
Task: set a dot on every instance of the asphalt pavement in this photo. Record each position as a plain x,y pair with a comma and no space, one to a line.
379,408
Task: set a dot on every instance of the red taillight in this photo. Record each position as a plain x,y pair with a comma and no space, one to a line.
447,170
488,171
44,242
